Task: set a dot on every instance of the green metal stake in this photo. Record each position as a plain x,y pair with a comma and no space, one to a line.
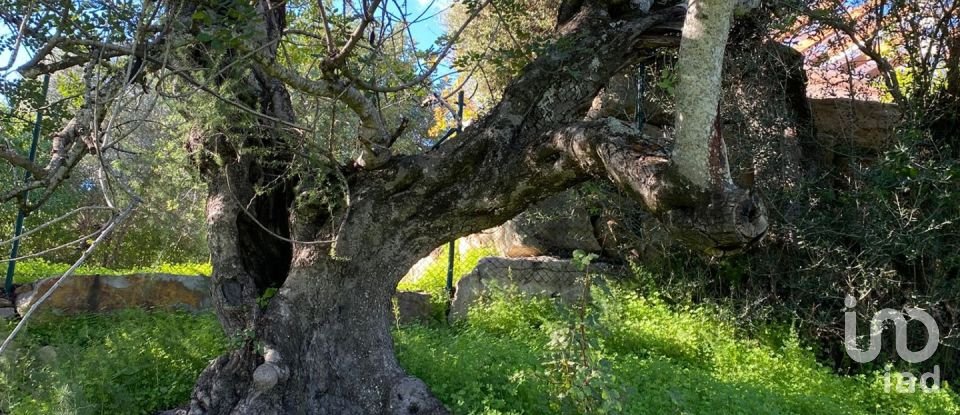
641,84
18,224
452,245
450,248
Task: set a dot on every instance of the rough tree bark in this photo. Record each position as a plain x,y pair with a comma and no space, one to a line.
322,344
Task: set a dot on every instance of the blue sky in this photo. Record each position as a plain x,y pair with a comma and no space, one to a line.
424,33
22,57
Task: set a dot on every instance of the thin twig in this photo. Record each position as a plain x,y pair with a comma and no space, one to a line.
419,79
367,17
20,34
331,45
54,221
63,278
56,248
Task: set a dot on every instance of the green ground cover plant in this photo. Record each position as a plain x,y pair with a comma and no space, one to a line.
657,359
129,362
623,352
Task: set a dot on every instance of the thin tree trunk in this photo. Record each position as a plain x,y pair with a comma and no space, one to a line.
700,154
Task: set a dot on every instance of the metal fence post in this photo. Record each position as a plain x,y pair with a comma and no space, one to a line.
18,224
641,87
451,247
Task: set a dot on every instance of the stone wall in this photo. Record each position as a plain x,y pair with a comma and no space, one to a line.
97,293
81,294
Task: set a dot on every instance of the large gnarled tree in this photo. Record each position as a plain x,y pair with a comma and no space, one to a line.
334,238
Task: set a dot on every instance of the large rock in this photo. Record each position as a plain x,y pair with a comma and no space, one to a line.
482,239
618,99
862,125
556,226
80,294
8,313
413,307
767,124
83,294
419,270
540,276
635,236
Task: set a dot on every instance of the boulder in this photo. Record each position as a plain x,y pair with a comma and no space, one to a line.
478,240
540,276
626,231
80,294
767,124
862,125
20,289
482,239
4,302
618,99
8,313
616,238
556,226
413,307
418,270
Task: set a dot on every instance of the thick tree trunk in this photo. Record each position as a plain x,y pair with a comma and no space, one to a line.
322,344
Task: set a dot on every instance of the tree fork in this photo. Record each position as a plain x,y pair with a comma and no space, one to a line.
322,344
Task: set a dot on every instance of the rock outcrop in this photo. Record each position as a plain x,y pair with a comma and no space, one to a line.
413,307
463,245
539,276
861,125
556,226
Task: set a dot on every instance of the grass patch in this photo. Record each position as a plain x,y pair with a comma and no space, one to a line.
36,269
129,362
657,358
651,358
